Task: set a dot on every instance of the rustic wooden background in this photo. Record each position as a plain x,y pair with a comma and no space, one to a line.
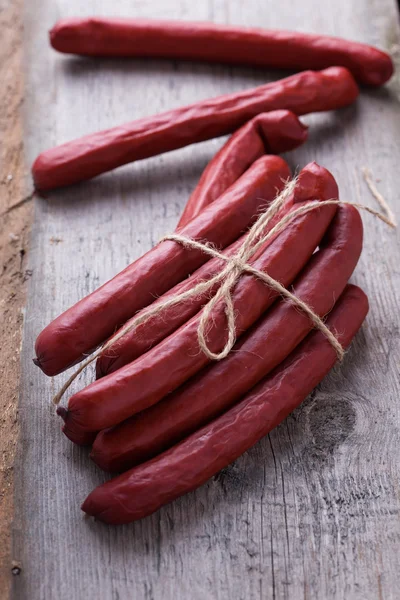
313,510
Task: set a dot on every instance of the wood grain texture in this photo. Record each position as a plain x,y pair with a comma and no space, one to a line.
14,235
313,510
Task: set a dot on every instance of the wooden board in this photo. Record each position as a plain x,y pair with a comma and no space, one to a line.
14,235
313,510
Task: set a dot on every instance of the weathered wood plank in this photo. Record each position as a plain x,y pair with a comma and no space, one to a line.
313,510
14,235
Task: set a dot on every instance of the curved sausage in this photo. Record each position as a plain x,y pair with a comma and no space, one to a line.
218,387
268,133
314,182
71,336
99,152
145,488
138,385
102,36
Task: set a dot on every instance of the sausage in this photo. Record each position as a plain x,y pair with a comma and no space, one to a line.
145,488
268,133
72,335
271,339
314,182
101,36
138,385
97,153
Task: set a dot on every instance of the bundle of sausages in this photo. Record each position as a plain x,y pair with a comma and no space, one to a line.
160,411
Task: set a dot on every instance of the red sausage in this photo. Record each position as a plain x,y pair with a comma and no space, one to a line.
218,387
97,36
145,488
268,133
131,389
72,335
100,152
314,182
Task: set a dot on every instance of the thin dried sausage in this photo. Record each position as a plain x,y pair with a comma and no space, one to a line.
102,36
97,153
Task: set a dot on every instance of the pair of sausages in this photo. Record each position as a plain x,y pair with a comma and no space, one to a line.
306,92
187,465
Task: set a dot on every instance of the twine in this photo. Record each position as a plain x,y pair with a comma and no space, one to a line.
377,195
235,267
18,204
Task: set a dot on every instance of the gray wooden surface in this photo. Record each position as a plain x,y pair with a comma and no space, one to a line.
313,510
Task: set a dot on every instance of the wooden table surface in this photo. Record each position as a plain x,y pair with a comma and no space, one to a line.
313,510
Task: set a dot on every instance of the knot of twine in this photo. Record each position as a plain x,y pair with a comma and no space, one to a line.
235,267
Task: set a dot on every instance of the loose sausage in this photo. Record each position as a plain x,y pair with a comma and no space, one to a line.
268,133
218,387
72,335
314,182
102,36
100,152
138,385
145,488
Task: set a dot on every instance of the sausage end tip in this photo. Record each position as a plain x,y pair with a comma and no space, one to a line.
62,412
